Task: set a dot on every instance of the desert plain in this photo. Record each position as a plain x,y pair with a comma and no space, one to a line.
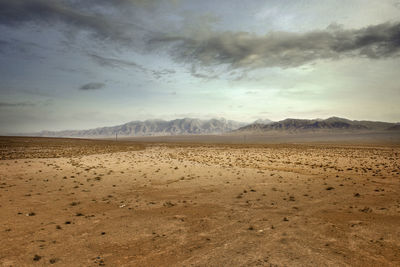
73,202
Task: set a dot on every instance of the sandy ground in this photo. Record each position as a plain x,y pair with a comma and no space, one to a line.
199,205
310,137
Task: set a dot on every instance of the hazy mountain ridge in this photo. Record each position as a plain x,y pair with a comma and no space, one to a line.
191,126
333,124
154,128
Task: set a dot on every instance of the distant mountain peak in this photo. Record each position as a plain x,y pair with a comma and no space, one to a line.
334,118
263,121
152,120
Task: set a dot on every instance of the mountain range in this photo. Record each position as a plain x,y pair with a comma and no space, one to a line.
331,124
154,128
192,126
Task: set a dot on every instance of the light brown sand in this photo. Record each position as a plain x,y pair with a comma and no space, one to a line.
202,205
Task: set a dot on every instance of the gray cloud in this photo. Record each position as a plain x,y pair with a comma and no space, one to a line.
27,49
17,104
113,21
114,62
160,73
3,46
194,72
282,49
121,63
92,86
126,3
17,12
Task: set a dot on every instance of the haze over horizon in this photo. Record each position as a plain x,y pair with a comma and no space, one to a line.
69,64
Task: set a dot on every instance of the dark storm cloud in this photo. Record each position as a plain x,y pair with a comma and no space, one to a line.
282,49
92,86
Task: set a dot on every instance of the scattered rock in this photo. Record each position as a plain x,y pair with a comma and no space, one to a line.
366,210
53,260
37,257
168,204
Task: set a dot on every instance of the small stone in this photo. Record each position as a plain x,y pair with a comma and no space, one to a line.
53,260
37,257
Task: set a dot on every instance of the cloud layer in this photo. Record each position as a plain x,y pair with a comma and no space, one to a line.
206,48
283,49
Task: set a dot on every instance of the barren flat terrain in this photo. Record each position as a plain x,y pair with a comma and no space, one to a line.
328,137
66,202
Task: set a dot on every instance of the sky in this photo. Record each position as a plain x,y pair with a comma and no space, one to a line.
73,64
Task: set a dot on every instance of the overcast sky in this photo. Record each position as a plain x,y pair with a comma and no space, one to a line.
72,64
